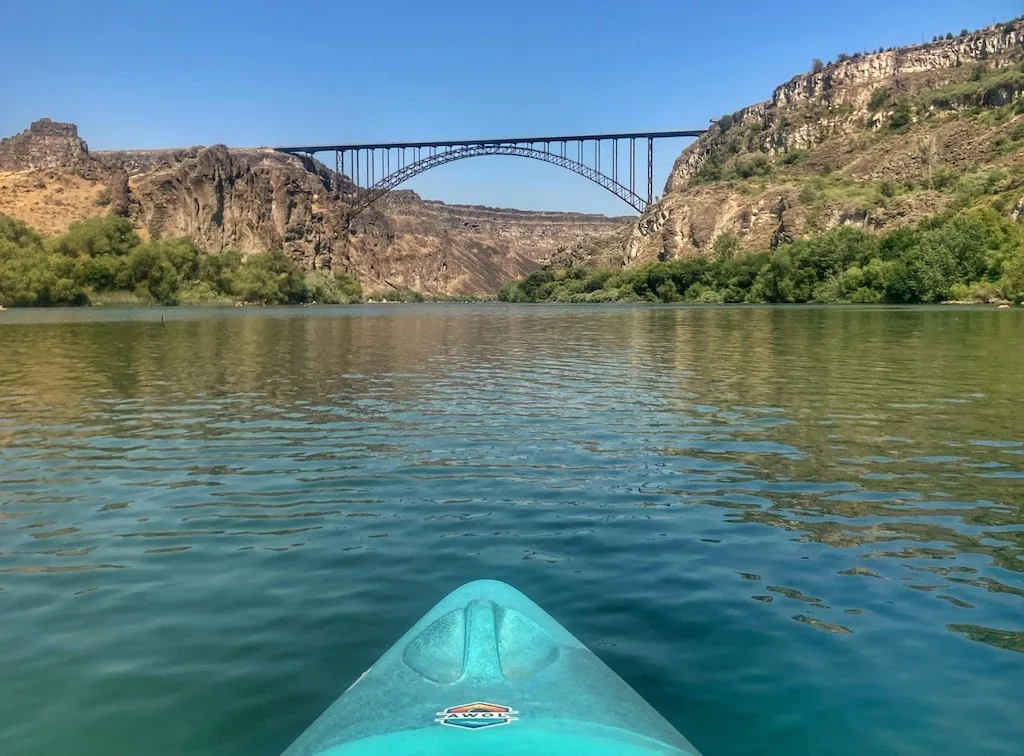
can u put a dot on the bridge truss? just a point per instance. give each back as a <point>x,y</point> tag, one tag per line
<point>611,161</point>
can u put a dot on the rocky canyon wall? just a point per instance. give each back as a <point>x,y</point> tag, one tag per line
<point>817,153</point>
<point>258,199</point>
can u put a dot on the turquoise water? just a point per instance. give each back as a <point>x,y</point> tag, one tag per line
<point>792,530</point>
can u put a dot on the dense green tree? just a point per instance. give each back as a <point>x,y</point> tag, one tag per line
<point>1012,281</point>
<point>150,271</point>
<point>726,246</point>
<point>900,118</point>
<point>183,254</point>
<point>102,273</point>
<point>217,270</point>
<point>269,277</point>
<point>18,233</point>
<point>327,287</point>
<point>93,237</point>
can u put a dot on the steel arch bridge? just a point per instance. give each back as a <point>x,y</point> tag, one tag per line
<point>376,169</point>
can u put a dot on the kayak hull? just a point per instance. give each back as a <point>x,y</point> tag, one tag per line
<point>488,671</point>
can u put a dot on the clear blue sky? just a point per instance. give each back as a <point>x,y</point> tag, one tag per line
<point>152,73</point>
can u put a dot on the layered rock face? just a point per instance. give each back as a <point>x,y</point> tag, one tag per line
<point>258,200</point>
<point>748,175</point>
<point>45,144</point>
<point>244,200</point>
<point>409,243</point>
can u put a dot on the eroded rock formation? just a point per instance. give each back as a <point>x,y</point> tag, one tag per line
<point>806,159</point>
<point>257,200</point>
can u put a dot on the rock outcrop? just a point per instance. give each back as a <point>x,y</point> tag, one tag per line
<point>259,199</point>
<point>409,243</point>
<point>815,155</point>
<point>44,144</point>
<point>842,92</point>
<point>244,200</point>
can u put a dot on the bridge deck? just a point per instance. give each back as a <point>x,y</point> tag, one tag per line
<point>311,149</point>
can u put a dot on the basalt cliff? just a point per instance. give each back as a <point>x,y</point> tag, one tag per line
<point>879,140</point>
<point>254,200</point>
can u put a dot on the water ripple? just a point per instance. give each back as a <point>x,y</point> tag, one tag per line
<point>224,520</point>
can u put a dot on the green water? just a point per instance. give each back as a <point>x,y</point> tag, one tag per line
<point>792,530</point>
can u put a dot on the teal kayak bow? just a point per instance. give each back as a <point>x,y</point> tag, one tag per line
<point>487,671</point>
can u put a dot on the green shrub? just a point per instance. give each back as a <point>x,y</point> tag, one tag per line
<point>817,66</point>
<point>1011,284</point>
<point>944,178</point>
<point>792,157</point>
<point>984,292</point>
<point>878,99</point>
<point>710,170</point>
<point>808,195</point>
<point>971,186</point>
<point>702,294</point>
<point>900,118</point>
<point>757,165</point>
<point>218,269</point>
<point>200,292</point>
<point>326,287</point>
<point>269,278</point>
<point>725,123</point>
<point>97,236</point>
<point>726,246</point>
<point>150,271</point>
<point>18,233</point>
<point>416,297</point>
<point>102,273</point>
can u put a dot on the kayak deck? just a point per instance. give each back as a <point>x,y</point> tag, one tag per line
<point>488,671</point>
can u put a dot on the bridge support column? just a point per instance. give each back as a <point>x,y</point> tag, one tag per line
<point>650,170</point>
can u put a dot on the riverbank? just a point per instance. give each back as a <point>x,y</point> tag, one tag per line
<point>104,262</point>
<point>972,256</point>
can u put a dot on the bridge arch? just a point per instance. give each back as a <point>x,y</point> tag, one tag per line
<point>366,197</point>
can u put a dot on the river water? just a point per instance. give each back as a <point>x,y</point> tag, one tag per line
<point>792,530</point>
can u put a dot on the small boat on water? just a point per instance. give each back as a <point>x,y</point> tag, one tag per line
<point>487,671</point>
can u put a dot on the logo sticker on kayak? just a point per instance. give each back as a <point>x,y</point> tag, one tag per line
<point>477,716</point>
